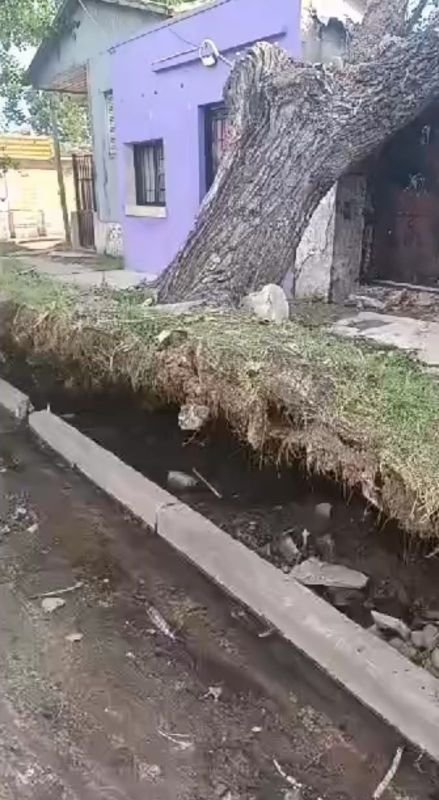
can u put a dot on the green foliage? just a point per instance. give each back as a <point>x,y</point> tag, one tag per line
<point>23,24</point>
<point>357,410</point>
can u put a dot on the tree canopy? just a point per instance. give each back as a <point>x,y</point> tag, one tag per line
<point>23,25</point>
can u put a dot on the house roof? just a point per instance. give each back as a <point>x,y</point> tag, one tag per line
<point>67,7</point>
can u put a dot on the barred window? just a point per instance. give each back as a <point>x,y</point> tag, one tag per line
<point>149,171</point>
<point>215,137</point>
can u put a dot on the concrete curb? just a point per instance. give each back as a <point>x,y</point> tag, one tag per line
<point>14,401</point>
<point>404,695</point>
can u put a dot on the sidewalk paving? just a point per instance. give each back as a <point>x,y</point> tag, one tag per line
<point>80,274</point>
<point>420,337</point>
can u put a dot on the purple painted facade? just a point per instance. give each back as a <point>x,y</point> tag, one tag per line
<point>161,90</point>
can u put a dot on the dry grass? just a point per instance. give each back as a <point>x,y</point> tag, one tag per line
<point>368,417</point>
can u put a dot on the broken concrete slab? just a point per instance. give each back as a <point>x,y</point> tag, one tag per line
<point>270,304</point>
<point>314,572</point>
<point>14,401</point>
<point>79,275</point>
<point>403,694</point>
<point>411,335</point>
<point>400,692</point>
<point>392,624</point>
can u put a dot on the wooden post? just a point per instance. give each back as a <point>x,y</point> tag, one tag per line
<point>59,172</point>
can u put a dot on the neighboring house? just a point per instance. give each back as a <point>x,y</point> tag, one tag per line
<point>170,120</point>
<point>75,58</point>
<point>29,200</point>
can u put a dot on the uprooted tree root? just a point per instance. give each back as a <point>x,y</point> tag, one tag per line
<point>368,418</point>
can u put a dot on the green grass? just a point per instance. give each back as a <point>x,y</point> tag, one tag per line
<point>357,410</point>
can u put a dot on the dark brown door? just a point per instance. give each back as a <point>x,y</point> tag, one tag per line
<point>406,202</point>
<point>83,173</point>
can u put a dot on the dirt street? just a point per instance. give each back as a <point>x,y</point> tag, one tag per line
<point>206,709</point>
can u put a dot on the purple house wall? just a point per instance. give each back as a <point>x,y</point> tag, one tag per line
<point>161,91</point>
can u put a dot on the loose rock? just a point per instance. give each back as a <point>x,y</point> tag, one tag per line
<point>324,510</point>
<point>168,338</point>
<point>74,637</point>
<point>193,417</point>
<point>314,572</point>
<point>364,301</point>
<point>181,481</point>
<point>417,638</point>
<point>269,304</point>
<point>325,547</point>
<point>51,604</point>
<point>288,549</point>
<point>391,624</point>
<point>432,614</point>
<point>431,636</point>
<point>435,659</point>
<point>343,598</point>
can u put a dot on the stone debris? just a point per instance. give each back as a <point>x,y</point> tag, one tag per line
<point>435,659</point>
<point>290,780</point>
<point>375,631</point>
<point>181,481</point>
<point>365,302</point>
<point>430,637</point>
<point>325,547</point>
<point>33,528</point>
<point>270,304</point>
<point>343,598</point>
<point>432,614</point>
<point>149,772</point>
<point>214,692</point>
<point>51,604</point>
<point>314,572</point>
<point>72,638</point>
<point>160,623</point>
<point>392,624</point>
<point>288,549</point>
<point>417,639</point>
<point>389,776</point>
<point>405,648</point>
<point>193,417</point>
<point>180,740</point>
<point>324,510</point>
<point>171,338</point>
<point>305,538</point>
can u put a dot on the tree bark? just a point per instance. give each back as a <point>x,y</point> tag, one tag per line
<point>295,129</point>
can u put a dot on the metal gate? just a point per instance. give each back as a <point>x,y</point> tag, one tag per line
<point>83,174</point>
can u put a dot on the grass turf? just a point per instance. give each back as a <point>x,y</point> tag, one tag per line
<point>367,416</point>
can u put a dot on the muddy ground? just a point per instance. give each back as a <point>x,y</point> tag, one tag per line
<point>258,503</point>
<point>98,718</point>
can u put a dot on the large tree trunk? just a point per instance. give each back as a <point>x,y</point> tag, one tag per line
<point>295,129</point>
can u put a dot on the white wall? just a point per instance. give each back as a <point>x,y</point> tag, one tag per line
<point>342,9</point>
